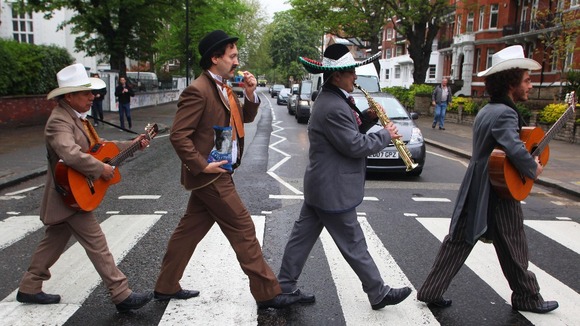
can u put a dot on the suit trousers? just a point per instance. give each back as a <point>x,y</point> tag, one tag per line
<point>512,251</point>
<point>87,231</point>
<point>348,235</point>
<point>218,203</point>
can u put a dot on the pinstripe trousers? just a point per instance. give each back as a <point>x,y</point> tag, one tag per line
<point>512,251</point>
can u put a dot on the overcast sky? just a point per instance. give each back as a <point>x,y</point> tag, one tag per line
<point>272,6</point>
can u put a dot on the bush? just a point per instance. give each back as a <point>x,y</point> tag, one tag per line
<point>524,112</point>
<point>407,95</point>
<point>552,112</point>
<point>469,107</point>
<point>29,69</point>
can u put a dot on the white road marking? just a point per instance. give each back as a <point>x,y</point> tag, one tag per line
<point>563,218</point>
<point>225,297</point>
<point>112,212</point>
<point>483,261</point>
<point>73,276</point>
<point>160,212</point>
<point>15,228</point>
<point>140,197</point>
<point>11,197</point>
<point>410,214</point>
<point>566,233</point>
<point>12,213</point>
<point>301,197</point>
<point>431,199</point>
<point>355,304</point>
<point>23,190</point>
<point>460,161</point>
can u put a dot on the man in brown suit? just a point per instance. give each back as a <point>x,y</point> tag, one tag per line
<point>204,104</point>
<point>69,136</point>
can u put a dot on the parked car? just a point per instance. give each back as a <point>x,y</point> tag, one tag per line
<point>292,99</point>
<point>283,96</point>
<point>275,89</point>
<point>303,101</point>
<point>388,159</point>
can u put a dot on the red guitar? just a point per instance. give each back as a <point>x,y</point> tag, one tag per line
<point>504,177</point>
<point>85,194</point>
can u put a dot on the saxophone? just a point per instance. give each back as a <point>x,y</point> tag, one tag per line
<point>384,119</point>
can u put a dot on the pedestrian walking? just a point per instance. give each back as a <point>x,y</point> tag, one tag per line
<point>441,98</point>
<point>97,107</point>
<point>124,92</point>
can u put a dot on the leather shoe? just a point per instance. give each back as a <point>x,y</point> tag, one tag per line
<point>441,303</point>
<point>280,301</point>
<point>393,297</point>
<point>541,308</point>
<point>433,125</point>
<point>305,297</point>
<point>441,128</point>
<point>181,294</point>
<point>39,298</point>
<point>134,301</point>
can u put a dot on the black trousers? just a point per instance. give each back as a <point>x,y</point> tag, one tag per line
<point>512,251</point>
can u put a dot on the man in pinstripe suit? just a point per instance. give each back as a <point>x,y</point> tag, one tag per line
<point>480,214</point>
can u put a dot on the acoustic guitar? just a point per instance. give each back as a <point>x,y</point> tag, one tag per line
<point>506,180</point>
<point>82,193</point>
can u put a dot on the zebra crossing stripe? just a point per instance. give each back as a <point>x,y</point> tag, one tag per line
<point>73,276</point>
<point>483,261</point>
<point>15,228</point>
<point>225,297</point>
<point>565,233</point>
<point>355,304</point>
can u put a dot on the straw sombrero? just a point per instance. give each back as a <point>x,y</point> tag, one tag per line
<point>337,57</point>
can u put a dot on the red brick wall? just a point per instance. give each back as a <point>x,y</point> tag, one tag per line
<point>24,110</point>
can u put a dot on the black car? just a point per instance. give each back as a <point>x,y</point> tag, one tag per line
<point>283,96</point>
<point>303,101</point>
<point>389,159</point>
<point>275,89</point>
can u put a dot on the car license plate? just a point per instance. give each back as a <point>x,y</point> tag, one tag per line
<point>387,155</point>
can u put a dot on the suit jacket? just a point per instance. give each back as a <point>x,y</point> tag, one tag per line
<point>202,106</point>
<point>124,97</point>
<point>437,95</point>
<point>495,125</point>
<point>335,175</point>
<point>66,139</point>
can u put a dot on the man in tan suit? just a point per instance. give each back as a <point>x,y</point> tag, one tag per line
<point>214,199</point>
<point>69,136</point>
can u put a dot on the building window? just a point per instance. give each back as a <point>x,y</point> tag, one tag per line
<point>432,69</point>
<point>399,50</point>
<point>477,60</point>
<point>490,53</point>
<point>530,50</point>
<point>458,30</point>
<point>470,18</point>
<point>397,72</point>
<point>389,34</point>
<point>534,9</point>
<point>389,53</point>
<point>481,14</point>
<point>569,60</point>
<point>387,74</point>
<point>554,63</point>
<point>22,30</point>
<point>493,13</point>
<point>574,3</point>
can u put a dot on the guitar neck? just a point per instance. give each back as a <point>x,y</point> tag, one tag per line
<point>551,133</point>
<point>122,156</point>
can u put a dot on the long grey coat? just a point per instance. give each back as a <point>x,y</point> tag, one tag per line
<point>335,175</point>
<point>496,124</point>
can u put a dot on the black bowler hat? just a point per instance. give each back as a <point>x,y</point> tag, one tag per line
<point>213,40</point>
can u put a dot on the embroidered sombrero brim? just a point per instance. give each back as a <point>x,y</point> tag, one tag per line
<point>328,65</point>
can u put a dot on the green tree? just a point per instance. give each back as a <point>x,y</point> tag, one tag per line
<point>116,29</point>
<point>292,38</point>
<point>362,21</point>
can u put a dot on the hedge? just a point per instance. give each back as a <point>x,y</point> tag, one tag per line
<point>29,69</point>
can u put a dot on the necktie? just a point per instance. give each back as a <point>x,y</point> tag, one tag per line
<point>358,120</point>
<point>91,132</point>
<point>236,118</point>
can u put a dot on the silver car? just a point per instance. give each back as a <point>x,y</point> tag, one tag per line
<point>388,159</point>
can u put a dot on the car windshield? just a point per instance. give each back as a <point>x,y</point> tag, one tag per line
<point>368,83</point>
<point>393,109</point>
<point>306,88</point>
<point>285,92</point>
<point>277,87</point>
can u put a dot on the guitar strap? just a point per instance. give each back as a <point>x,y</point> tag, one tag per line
<point>52,167</point>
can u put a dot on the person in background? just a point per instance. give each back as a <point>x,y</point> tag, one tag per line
<point>69,136</point>
<point>124,92</point>
<point>334,179</point>
<point>206,103</point>
<point>97,107</point>
<point>480,213</point>
<point>441,98</point>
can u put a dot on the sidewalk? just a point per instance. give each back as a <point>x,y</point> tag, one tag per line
<point>562,171</point>
<point>23,152</point>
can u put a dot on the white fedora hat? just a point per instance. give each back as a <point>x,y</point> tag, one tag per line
<point>508,58</point>
<point>74,78</point>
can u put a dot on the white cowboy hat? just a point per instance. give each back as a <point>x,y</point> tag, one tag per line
<point>508,58</point>
<point>74,78</point>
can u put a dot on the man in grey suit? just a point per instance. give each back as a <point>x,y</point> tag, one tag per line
<point>334,179</point>
<point>69,136</point>
<point>480,214</point>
